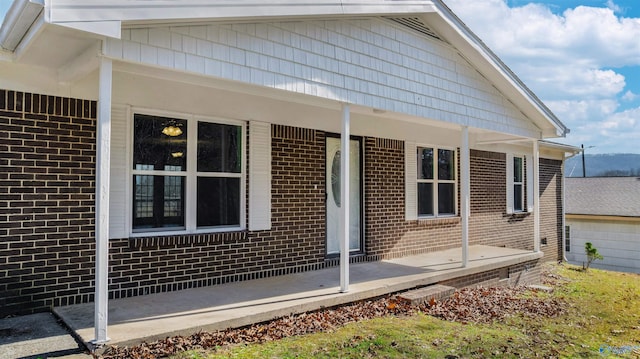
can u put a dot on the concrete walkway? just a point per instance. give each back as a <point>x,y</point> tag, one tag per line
<point>37,336</point>
<point>156,316</point>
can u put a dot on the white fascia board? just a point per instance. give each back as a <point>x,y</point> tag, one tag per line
<point>471,47</point>
<point>73,11</point>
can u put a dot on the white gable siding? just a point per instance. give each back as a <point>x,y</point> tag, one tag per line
<point>369,62</point>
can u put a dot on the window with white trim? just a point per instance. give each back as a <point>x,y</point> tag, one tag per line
<point>187,174</point>
<point>519,181</point>
<point>518,184</point>
<point>567,238</point>
<point>436,181</point>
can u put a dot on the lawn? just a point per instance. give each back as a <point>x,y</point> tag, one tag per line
<point>600,318</point>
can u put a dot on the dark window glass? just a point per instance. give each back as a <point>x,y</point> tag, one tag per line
<point>445,165</point>
<point>425,163</point>
<point>159,143</point>
<point>446,198</point>
<point>218,201</point>
<point>517,169</point>
<point>158,202</point>
<point>219,148</point>
<point>425,199</point>
<point>517,197</point>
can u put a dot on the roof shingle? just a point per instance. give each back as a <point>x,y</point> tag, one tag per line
<point>606,196</point>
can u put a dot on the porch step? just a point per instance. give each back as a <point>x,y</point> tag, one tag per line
<point>426,294</point>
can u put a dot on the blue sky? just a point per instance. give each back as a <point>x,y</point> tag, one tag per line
<point>581,57</point>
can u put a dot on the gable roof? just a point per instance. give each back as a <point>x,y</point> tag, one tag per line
<point>603,196</point>
<point>98,18</point>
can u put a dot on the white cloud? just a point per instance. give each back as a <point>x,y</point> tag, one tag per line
<point>611,5</point>
<point>569,61</point>
<point>630,96</point>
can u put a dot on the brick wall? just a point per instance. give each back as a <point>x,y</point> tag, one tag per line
<point>295,243</point>
<point>389,235</point>
<point>551,208</point>
<point>489,223</point>
<point>520,274</point>
<point>47,156</point>
<point>46,213</point>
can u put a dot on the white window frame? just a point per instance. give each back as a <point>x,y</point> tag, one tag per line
<point>527,183</point>
<point>435,181</point>
<point>567,238</point>
<point>521,183</point>
<point>191,174</point>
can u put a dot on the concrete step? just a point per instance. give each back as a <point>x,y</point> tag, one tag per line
<point>425,295</point>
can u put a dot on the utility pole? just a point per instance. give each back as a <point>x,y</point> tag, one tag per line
<point>584,169</point>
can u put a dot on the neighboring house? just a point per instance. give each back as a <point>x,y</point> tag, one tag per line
<point>606,212</point>
<point>210,134</point>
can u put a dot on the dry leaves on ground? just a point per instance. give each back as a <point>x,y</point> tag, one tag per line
<point>481,305</point>
<point>485,305</point>
<point>320,321</point>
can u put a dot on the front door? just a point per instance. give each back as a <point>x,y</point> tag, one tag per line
<point>333,195</point>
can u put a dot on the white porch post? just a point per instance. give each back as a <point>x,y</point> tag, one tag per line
<point>344,198</point>
<point>103,149</point>
<point>536,197</point>
<point>465,184</point>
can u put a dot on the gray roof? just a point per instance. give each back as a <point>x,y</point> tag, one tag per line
<point>606,196</point>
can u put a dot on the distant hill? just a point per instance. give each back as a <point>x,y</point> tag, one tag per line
<point>604,165</point>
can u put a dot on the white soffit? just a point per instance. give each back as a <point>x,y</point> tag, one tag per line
<point>102,28</point>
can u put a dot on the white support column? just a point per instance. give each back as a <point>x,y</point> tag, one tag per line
<point>103,155</point>
<point>344,198</point>
<point>465,184</point>
<point>536,197</point>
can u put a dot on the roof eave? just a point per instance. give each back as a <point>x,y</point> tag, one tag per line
<point>143,11</point>
<point>17,22</point>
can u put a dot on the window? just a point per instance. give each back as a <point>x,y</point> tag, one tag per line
<point>518,184</point>
<point>567,238</point>
<point>436,182</point>
<point>186,167</point>
<point>519,168</point>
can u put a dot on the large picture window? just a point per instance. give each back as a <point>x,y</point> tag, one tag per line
<point>436,182</point>
<point>187,174</point>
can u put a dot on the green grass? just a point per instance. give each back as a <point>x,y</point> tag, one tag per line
<point>604,312</point>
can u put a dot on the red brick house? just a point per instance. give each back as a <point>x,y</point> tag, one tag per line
<point>149,148</point>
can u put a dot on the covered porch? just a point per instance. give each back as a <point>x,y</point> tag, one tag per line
<point>146,318</point>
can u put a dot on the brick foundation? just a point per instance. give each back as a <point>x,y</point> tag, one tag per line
<point>516,275</point>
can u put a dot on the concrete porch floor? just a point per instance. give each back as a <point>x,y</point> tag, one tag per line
<point>156,316</point>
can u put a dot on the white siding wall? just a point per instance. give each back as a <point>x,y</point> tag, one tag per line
<point>618,242</point>
<point>368,62</point>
